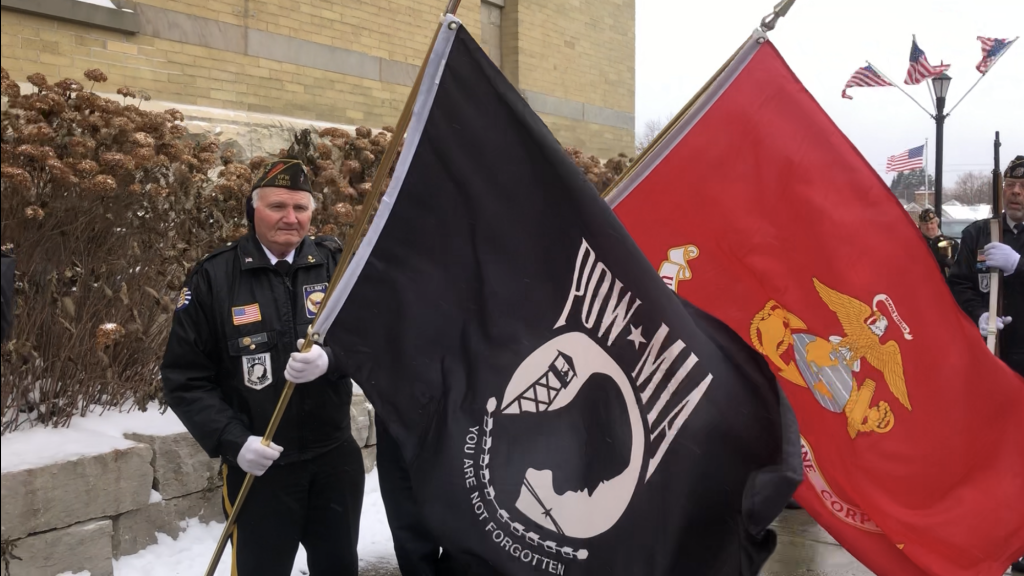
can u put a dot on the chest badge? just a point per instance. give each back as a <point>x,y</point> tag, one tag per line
<point>314,296</point>
<point>246,314</point>
<point>257,371</point>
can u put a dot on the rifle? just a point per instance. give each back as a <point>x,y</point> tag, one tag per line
<point>995,305</point>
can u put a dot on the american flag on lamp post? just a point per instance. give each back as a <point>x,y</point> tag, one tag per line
<point>864,78</point>
<point>920,69</point>
<point>991,50</point>
<point>906,161</point>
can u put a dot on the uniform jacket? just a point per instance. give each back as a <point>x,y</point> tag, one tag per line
<point>971,288</point>
<point>6,295</point>
<point>237,322</point>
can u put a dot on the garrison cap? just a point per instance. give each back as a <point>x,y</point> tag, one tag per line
<point>927,215</point>
<point>1015,171</point>
<point>287,173</point>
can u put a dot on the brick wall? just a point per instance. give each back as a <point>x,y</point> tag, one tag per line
<point>346,61</point>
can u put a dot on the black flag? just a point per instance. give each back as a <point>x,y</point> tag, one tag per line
<point>561,411</point>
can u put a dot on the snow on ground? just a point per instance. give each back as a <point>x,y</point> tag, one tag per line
<point>87,435</point>
<point>191,553</point>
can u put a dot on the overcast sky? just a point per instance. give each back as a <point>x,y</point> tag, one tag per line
<point>681,43</point>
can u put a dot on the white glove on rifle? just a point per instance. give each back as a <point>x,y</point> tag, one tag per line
<point>303,368</point>
<point>255,458</point>
<point>1002,257</point>
<point>1000,324</point>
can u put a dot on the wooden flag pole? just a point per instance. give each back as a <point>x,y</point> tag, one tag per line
<point>767,24</point>
<point>312,337</point>
<point>996,228</point>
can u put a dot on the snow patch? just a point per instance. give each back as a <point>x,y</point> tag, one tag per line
<point>155,497</point>
<point>89,435</point>
<point>40,447</point>
<point>191,552</point>
<point>149,423</point>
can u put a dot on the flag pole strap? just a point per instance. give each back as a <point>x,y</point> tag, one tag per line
<point>767,23</point>
<point>889,80</point>
<point>359,231</point>
<point>982,77</point>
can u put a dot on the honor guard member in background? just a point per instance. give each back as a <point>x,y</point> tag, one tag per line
<point>233,345</point>
<point>6,295</point>
<point>943,247</point>
<point>970,279</point>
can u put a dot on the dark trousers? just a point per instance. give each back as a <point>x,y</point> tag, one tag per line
<point>316,503</point>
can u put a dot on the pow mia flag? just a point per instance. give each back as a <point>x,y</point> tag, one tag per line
<point>562,412</point>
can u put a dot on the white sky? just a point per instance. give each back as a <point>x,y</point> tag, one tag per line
<point>681,43</point>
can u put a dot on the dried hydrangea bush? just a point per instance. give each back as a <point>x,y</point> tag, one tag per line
<point>107,205</point>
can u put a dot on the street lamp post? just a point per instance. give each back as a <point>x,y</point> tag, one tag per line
<point>941,85</point>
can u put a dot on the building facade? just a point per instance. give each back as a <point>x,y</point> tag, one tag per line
<point>333,62</point>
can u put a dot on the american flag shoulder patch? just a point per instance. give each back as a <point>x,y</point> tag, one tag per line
<point>246,314</point>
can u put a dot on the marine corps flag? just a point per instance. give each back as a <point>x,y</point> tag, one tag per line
<point>757,209</point>
<point>560,410</point>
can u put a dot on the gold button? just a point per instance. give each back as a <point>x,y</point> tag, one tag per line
<point>253,347</point>
<point>247,341</point>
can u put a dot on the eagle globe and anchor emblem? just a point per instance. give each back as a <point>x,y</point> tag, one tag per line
<point>549,381</point>
<point>827,366</point>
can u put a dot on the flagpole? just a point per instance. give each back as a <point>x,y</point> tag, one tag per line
<point>767,23</point>
<point>982,77</point>
<point>889,80</point>
<point>359,231</point>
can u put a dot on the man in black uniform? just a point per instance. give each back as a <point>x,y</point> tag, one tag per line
<point>232,347</point>
<point>929,224</point>
<point>6,295</point>
<point>970,284</point>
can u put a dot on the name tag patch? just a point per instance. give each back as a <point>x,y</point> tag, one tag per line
<point>314,296</point>
<point>257,371</point>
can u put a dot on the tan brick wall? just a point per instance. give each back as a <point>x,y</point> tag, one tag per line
<point>581,50</point>
<point>578,50</point>
<point>194,75</point>
<point>601,141</point>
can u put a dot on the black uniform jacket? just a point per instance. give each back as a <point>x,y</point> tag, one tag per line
<point>971,288</point>
<point>237,322</point>
<point>6,295</point>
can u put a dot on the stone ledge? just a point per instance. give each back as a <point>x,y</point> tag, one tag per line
<point>137,530</point>
<point>79,12</point>
<point>81,548</point>
<point>60,495</point>
<point>180,467</point>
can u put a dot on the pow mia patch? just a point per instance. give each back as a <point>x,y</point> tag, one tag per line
<point>257,371</point>
<point>314,296</point>
<point>985,282</point>
<point>184,299</point>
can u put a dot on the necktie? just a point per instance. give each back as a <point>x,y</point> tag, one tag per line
<point>1018,228</point>
<point>284,267</point>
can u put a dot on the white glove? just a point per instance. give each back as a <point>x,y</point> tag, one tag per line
<point>1000,323</point>
<point>1002,257</point>
<point>303,368</point>
<point>255,458</point>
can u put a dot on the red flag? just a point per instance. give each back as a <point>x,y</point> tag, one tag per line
<point>758,209</point>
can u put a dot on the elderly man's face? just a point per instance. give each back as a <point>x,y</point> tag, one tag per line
<point>1013,199</point>
<point>282,219</point>
<point>930,228</point>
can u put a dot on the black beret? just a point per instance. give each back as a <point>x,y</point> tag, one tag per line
<point>286,173</point>
<point>1015,170</point>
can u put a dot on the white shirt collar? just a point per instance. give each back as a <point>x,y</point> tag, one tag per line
<point>274,259</point>
<point>1011,224</point>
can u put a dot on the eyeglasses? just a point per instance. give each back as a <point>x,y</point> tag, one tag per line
<point>1014,185</point>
